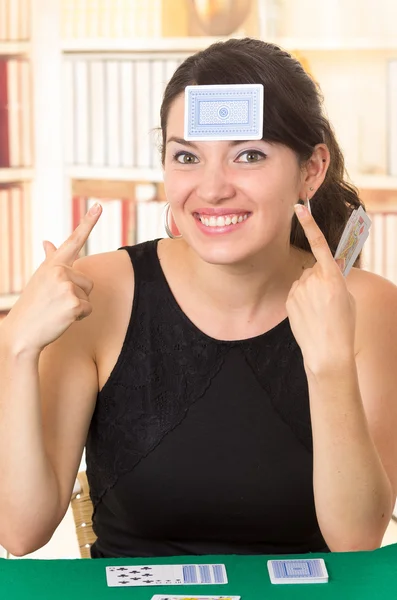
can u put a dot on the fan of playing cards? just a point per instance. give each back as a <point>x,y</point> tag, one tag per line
<point>353,238</point>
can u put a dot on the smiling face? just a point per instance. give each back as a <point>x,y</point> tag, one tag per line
<point>231,201</point>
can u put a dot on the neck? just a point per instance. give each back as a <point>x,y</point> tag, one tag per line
<point>262,282</point>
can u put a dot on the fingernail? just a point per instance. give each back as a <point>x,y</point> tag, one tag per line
<point>94,210</point>
<point>300,210</point>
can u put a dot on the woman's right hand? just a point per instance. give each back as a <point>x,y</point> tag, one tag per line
<point>56,296</point>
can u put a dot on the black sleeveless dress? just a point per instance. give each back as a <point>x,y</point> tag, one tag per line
<point>200,446</point>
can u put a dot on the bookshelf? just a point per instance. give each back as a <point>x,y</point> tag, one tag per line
<point>11,175</point>
<point>350,68</point>
<point>79,172</point>
<point>16,149</point>
<point>194,44</point>
<point>12,48</point>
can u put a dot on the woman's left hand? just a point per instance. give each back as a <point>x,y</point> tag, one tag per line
<point>320,308</point>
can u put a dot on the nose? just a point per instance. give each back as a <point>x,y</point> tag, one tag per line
<point>215,184</point>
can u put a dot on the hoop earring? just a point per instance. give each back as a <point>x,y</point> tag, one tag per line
<point>307,204</point>
<point>165,221</point>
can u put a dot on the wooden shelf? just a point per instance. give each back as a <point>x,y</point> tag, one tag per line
<point>14,48</point>
<point>12,175</point>
<point>115,173</point>
<point>7,301</point>
<point>193,44</point>
<point>374,182</point>
<point>337,44</point>
<point>184,44</point>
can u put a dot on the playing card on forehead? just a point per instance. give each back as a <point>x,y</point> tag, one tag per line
<point>224,112</point>
<point>308,570</point>
<point>145,575</point>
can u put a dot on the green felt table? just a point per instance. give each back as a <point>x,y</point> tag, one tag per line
<point>352,575</point>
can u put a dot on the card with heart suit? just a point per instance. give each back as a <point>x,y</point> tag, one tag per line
<point>353,238</point>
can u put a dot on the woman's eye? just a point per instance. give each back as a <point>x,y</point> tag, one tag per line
<point>250,156</point>
<point>185,158</point>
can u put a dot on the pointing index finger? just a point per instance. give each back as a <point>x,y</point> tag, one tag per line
<point>315,237</point>
<point>69,251</point>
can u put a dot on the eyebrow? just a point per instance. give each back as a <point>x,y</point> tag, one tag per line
<point>192,145</point>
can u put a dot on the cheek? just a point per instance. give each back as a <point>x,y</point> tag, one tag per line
<point>177,189</point>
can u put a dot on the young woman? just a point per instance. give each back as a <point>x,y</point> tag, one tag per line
<point>235,392</point>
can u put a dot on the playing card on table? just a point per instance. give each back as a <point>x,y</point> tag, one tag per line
<point>224,112</point>
<point>165,575</point>
<point>307,570</point>
<point>353,238</point>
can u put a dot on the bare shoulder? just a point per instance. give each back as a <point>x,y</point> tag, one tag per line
<point>376,305</point>
<point>370,288</point>
<point>108,271</point>
<point>112,276</point>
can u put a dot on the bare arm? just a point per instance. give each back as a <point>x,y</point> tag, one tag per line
<point>356,471</point>
<point>347,331</point>
<point>46,362</point>
<point>352,488</point>
<point>39,456</point>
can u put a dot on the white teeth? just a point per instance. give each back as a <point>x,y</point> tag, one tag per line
<point>222,221</point>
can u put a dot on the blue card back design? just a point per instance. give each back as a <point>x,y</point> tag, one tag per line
<point>224,112</point>
<point>285,569</point>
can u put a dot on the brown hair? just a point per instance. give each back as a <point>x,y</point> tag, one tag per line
<point>292,116</point>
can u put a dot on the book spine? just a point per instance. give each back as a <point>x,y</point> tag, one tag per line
<point>13,20</point>
<point>128,140</point>
<point>158,84</point>
<point>3,21</point>
<point>4,119</point>
<point>5,235</point>
<point>27,248</point>
<point>24,20</point>
<point>392,117</point>
<point>69,102</point>
<point>16,212</point>
<point>97,105</point>
<point>128,222</point>
<point>143,98</point>
<point>14,110</point>
<point>113,124</point>
<point>81,112</point>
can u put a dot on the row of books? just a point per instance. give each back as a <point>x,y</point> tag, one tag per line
<point>15,238</point>
<point>111,18</point>
<point>14,20</point>
<point>15,113</point>
<point>124,222</point>
<point>112,110</point>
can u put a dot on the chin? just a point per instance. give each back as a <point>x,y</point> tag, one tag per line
<point>225,254</point>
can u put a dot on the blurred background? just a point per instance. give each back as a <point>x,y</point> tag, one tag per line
<point>81,83</point>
